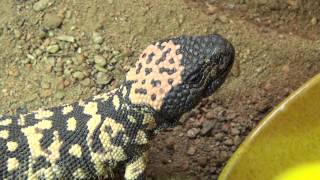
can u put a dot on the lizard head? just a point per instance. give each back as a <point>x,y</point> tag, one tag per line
<point>174,74</point>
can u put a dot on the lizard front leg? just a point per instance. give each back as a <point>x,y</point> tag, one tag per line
<point>135,169</point>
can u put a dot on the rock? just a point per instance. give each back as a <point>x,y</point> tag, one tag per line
<point>236,140</point>
<point>293,4</point>
<point>230,115</point>
<point>314,21</point>
<point>86,82</point>
<point>192,133</point>
<point>53,48</point>
<point>228,142</point>
<point>235,131</point>
<point>191,150</point>
<point>286,69</point>
<point>78,75</point>
<point>207,126</point>
<point>17,34</point>
<point>38,52</point>
<point>66,83</point>
<point>219,136</point>
<point>97,38</point>
<point>100,60</point>
<point>102,78</point>
<point>42,34</point>
<point>66,38</point>
<point>42,4</point>
<point>210,115</point>
<point>52,21</point>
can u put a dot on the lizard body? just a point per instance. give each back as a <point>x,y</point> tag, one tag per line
<point>89,138</point>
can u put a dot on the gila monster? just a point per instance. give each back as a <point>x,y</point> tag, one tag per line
<point>90,138</point>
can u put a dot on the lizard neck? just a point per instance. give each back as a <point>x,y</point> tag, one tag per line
<point>139,105</point>
<point>137,115</point>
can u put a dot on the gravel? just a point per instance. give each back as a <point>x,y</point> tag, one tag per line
<point>66,38</point>
<point>53,48</point>
<point>78,75</point>
<point>52,21</point>
<point>97,38</point>
<point>192,133</point>
<point>100,60</point>
<point>102,78</point>
<point>42,4</point>
<point>207,126</point>
<point>191,151</point>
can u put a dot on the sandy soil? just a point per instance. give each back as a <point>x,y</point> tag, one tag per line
<point>277,50</point>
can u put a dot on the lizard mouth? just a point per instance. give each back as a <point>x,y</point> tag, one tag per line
<point>216,82</point>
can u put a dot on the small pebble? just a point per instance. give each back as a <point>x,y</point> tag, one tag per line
<point>314,21</point>
<point>17,33</point>
<point>191,151</point>
<point>207,126</point>
<point>66,38</point>
<point>286,69</point>
<point>210,115</point>
<point>228,142</point>
<point>212,10</point>
<point>219,136</point>
<point>86,82</point>
<point>66,83</point>
<point>53,48</point>
<point>97,38</point>
<point>192,133</point>
<point>52,21</point>
<point>78,75</point>
<point>235,131</point>
<point>102,78</point>
<point>42,34</point>
<point>41,5</point>
<point>100,60</point>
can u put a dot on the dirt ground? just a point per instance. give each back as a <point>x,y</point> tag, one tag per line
<point>55,52</point>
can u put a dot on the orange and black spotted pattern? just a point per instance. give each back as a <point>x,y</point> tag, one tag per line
<point>91,138</point>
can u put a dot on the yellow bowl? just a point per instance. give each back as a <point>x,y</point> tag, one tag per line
<point>287,137</point>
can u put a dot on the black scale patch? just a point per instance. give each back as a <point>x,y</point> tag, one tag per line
<point>141,91</point>
<point>170,71</point>
<point>155,83</point>
<point>163,57</point>
<point>149,59</point>
<point>138,68</point>
<point>147,71</point>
